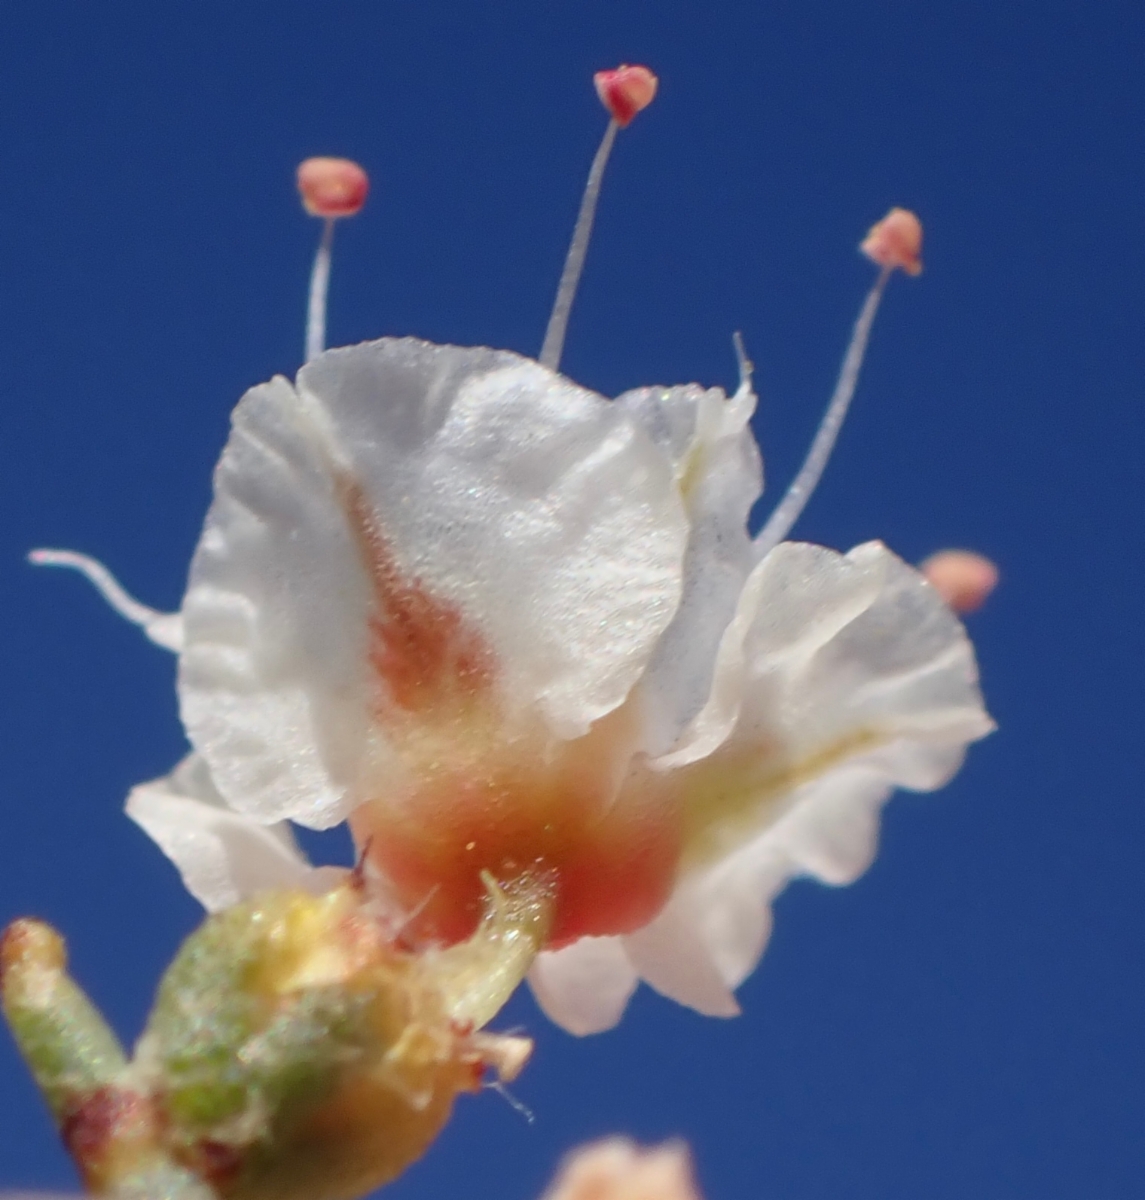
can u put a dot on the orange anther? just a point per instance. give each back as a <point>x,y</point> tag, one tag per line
<point>962,578</point>
<point>625,91</point>
<point>332,187</point>
<point>896,241</point>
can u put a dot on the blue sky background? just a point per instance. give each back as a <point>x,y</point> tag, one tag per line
<point>966,1021</point>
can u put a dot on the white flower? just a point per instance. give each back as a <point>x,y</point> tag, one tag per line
<point>505,626</point>
<point>501,623</point>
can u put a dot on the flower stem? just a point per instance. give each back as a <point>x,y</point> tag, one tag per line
<point>296,1051</point>
<point>106,1122</point>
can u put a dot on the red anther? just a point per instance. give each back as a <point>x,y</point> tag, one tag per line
<point>896,241</point>
<point>625,91</point>
<point>963,579</point>
<point>332,187</point>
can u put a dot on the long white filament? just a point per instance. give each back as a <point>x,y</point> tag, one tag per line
<point>164,629</point>
<point>574,263</point>
<point>319,286</point>
<point>795,501</point>
<point>746,366</point>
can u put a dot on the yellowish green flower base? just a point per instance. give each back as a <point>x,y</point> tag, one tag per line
<point>295,1051</point>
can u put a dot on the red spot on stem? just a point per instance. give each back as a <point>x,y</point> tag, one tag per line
<point>103,1125</point>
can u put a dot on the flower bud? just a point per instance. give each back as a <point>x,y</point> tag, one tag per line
<point>300,1055</point>
<point>295,1051</point>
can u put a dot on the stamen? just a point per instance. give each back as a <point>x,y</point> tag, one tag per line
<point>330,188</point>
<point>319,287</point>
<point>164,629</point>
<point>624,92</point>
<point>518,1106</point>
<point>962,578</point>
<point>895,241</point>
<point>899,249</point>
<point>745,365</point>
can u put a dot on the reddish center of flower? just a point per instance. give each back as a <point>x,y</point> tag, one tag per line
<point>612,862</point>
<point>466,791</point>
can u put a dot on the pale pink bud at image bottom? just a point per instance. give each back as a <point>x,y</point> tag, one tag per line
<point>625,91</point>
<point>962,578</point>
<point>895,241</point>
<point>618,1169</point>
<point>332,187</point>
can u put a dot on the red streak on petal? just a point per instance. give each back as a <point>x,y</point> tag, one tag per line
<point>420,647</point>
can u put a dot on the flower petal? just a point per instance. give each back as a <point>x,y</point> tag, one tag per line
<point>839,679</point>
<point>222,857</point>
<point>831,827</point>
<point>841,656</point>
<point>730,906</point>
<point>830,831</point>
<point>671,956</point>
<point>714,930</point>
<point>422,521</point>
<point>718,470</point>
<point>585,987</point>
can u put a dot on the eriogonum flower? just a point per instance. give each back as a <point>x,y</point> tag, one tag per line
<point>505,626</point>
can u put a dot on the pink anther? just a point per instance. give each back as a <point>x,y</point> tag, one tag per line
<point>896,241</point>
<point>625,91</point>
<point>962,578</point>
<point>332,187</point>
